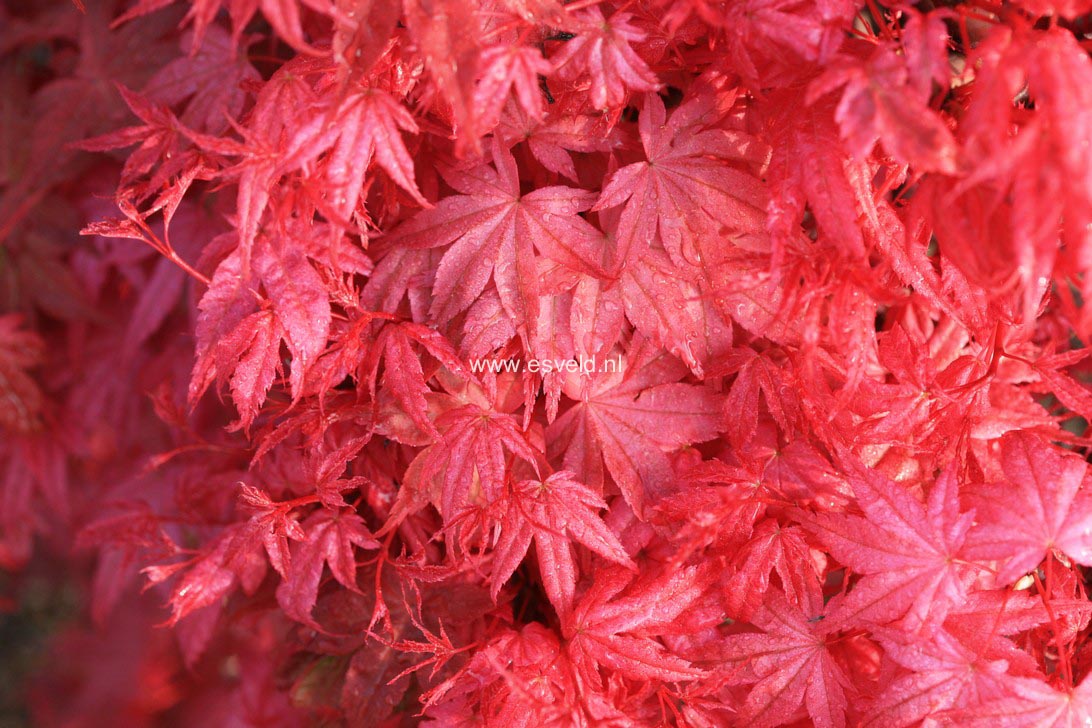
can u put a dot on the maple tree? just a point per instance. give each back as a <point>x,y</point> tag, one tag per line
<point>296,303</point>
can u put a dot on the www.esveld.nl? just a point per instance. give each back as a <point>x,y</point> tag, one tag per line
<point>575,365</point>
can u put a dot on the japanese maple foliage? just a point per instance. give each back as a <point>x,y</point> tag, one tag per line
<point>532,362</point>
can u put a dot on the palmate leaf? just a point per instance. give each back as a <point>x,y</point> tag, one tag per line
<point>556,513</point>
<point>494,231</point>
<point>609,626</point>
<point>467,468</point>
<point>628,421</point>
<point>692,191</point>
<point>909,552</point>
<point>1026,702</point>
<point>789,665</point>
<point>509,70</point>
<point>672,311</point>
<point>239,333</point>
<point>209,82</point>
<point>403,376</point>
<point>331,538</point>
<point>602,50</point>
<point>1044,504</point>
<point>942,673</point>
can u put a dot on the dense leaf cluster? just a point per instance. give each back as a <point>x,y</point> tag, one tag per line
<point>828,261</point>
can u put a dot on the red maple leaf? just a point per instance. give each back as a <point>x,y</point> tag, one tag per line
<point>693,189</point>
<point>789,664</point>
<point>239,334</point>
<point>495,230</point>
<point>942,673</point>
<point>1042,506</point>
<point>555,513</point>
<point>911,554</point>
<point>602,52</point>
<point>610,624</point>
<point>629,420</point>
<point>330,539</point>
